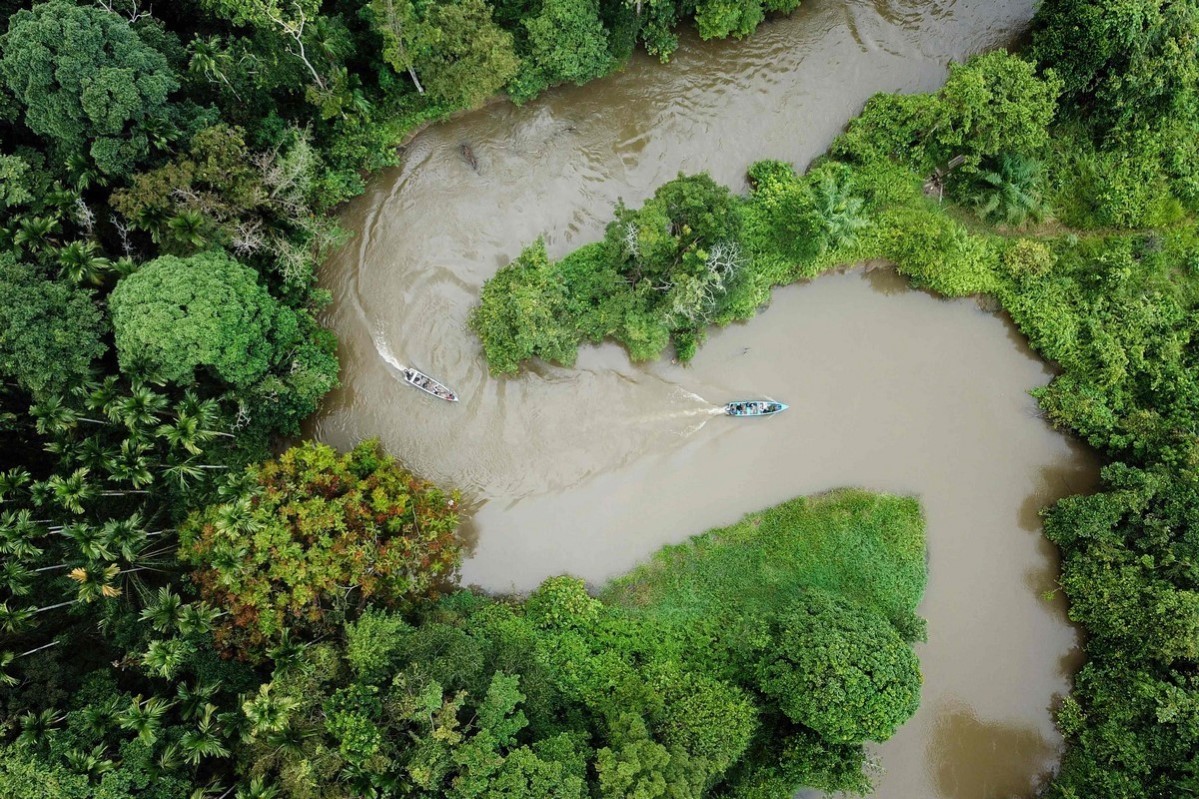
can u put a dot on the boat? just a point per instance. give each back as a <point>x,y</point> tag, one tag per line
<point>427,384</point>
<point>755,408</point>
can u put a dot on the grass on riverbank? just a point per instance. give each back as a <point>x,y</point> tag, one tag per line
<point>867,547</point>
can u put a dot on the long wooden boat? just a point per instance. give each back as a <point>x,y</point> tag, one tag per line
<point>427,384</point>
<point>755,408</point>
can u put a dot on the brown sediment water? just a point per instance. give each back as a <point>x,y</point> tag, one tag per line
<point>588,470</point>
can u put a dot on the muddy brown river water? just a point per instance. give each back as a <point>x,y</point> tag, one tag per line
<point>588,470</point>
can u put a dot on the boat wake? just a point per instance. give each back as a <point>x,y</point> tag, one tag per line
<point>386,354</point>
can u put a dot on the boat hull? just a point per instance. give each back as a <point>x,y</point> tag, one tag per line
<point>748,408</point>
<point>418,379</point>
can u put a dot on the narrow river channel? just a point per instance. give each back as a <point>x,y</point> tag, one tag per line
<point>588,470</point>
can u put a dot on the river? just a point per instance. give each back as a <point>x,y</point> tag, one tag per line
<point>588,470</point>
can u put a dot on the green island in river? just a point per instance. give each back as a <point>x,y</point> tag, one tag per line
<point>195,603</point>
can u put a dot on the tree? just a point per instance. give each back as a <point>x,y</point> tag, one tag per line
<point>1006,190</point>
<point>993,104</point>
<point>1122,62</point>
<point>522,314</point>
<point>567,41</point>
<point>289,19</point>
<point>315,532</point>
<point>840,215</point>
<point>472,58</point>
<point>405,35</point>
<point>86,81</point>
<point>717,19</point>
<point>840,669</point>
<point>675,229</point>
<point>50,333</point>
<point>177,314</point>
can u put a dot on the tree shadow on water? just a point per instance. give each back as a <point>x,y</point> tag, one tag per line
<point>976,759</point>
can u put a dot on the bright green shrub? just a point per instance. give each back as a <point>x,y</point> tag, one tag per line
<point>1027,258</point>
<point>561,603</point>
<point>938,253</point>
<point>711,719</point>
<point>374,642</point>
<point>567,41</point>
<point>995,104</point>
<point>718,19</point>
<point>894,127</point>
<point>1122,187</point>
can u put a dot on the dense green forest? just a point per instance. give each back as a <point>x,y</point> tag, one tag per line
<point>183,615</point>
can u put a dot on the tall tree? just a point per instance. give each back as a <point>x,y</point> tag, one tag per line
<point>86,82</point>
<point>841,669</point>
<point>568,42</point>
<point>1125,62</point>
<point>405,35</point>
<point>175,315</point>
<point>473,57</point>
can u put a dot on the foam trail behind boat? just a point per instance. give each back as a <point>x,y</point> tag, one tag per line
<point>386,354</point>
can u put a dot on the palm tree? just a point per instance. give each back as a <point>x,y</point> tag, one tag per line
<point>187,228</point>
<point>1007,190</point>
<point>164,657</point>
<point>92,543</point>
<point>198,618</point>
<point>52,417</point>
<point>19,534</point>
<point>164,611</point>
<point>131,464</point>
<point>82,264</point>
<point>266,712</point>
<point>14,620</point>
<point>95,582</point>
<point>12,481</point>
<point>842,215</point>
<point>16,578</point>
<point>85,174</point>
<point>141,407</point>
<point>35,726</point>
<point>101,717</point>
<point>257,789</point>
<point>70,493</point>
<point>183,432</point>
<point>127,536</point>
<point>97,396</point>
<point>183,472</point>
<point>194,699</point>
<point>144,717</point>
<point>94,763</point>
<point>94,452</point>
<point>168,759</point>
<point>212,61</point>
<point>203,741</point>
<point>34,232</point>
